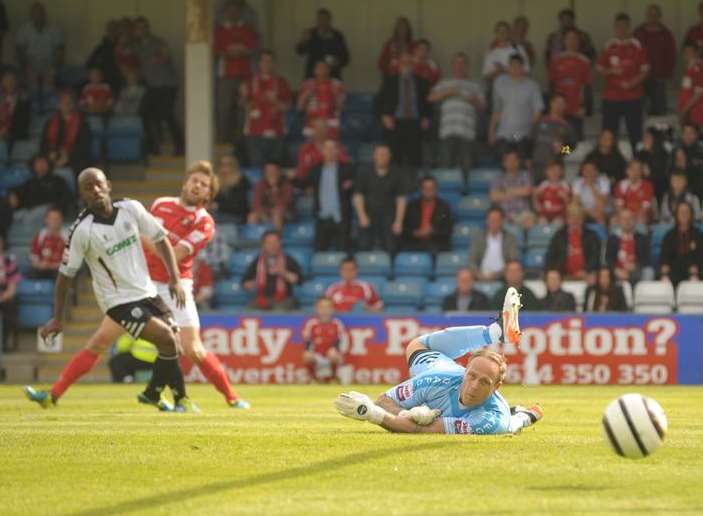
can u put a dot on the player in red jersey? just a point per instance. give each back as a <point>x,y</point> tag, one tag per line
<point>189,228</point>
<point>690,104</point>
<point>322,336</point>
<point>347,293</point>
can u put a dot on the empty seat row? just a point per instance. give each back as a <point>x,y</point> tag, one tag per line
<point>660,297</point>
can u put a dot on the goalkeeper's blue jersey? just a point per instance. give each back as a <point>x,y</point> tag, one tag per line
<point>436,381</point>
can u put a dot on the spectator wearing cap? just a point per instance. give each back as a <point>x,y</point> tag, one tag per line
<point>626,250</point>
<point>273,198</point>
<point>428,220</point>
<point>324,43</point>
<point>491,251</point>
<point>48,247</point>
<point>556,298</point>
<point>574,249</point>
<point>465,297</point>
<point>401,42</point>
<point>350,292</point>
<point>323,97</point>
<point>66,136</point>
<point>690,104</point>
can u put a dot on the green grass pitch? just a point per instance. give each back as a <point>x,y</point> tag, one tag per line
<point>99,453</point>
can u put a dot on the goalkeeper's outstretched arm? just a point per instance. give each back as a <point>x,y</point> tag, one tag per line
<point>405,425</point>
<point>388,404</point>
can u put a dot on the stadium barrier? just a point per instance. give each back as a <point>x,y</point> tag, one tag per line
<point>630,349</point>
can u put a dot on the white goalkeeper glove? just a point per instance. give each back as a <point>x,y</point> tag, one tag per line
<point>422,415</point>
<point>359,406</point>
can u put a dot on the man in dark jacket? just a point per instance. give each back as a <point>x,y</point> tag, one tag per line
<point>43,189</point>
<point>627,251</point>
<point>574,249</point>
<point>66,137</point>
<point>324,43</point>
<point>428,220</point>
<point>514,277</point>
<point>465,298</point>
<point>405,112</point>
<point>332,184</point>
<point>557,300</point>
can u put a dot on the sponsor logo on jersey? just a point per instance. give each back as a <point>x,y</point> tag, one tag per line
<point>119,246</point>
<point>404,391</point>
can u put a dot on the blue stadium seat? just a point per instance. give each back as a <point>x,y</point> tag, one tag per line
<point>436,291</point>
<point>359,102</point>
<point>254,175</point>
<point>452,199</point>
<point>489,288</point>
<point>462,233</point>
<point>374,262</point>
<point>534,259</point>
<point>21,254</point>
<point>97,132</point>
<point>36,125</point>
<point>473,207</point>
<point>294,123</point>
<point>517,232</point>
<point>356,125</point>
<point>23,150</point>
<point>480,179</point>
<point>125,135</point>
<point>450,262</point>
<point>305,206</point>
<point>540,235</point>
<point>404,292</point>
<point>365,154</point>
<point>69,176</point>
<point>659,231</point>
<point>400,310</point>
<point>326,263</point>
<point>449,179</point>
<point>34,315</point>
<point>14,176</point>
<point>35,291</point>
<point>312,290</point>
<point>230,292</point>
<point>229,232</point>
<point>412,264</point>
<point>240,260</point>
<point>599,230</point>
<point>250,234</point>
<point>299,234</point>
<point>302,255</point>
<point>378,282</point>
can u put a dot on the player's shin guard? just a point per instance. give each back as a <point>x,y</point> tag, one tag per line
<point>81,363</point>
<point>460,340</point>
<point>212,369</point>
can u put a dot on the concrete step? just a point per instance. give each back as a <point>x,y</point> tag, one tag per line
<point>45,368</point>
<point>161,186</point>
<point>85,313</point>
<point>166,161</point>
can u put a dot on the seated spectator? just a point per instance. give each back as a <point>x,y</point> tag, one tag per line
<point>66,136</point>
<point>550,135</point>
<point>592,191</point>
<point>400,42</point>
<point>627,251</point>
<point>682,249</point>
<point>514,277</point>
<point>690,104</point>
<point>605,295</point>
<point>48,246</point>
<point>636,193</point>
<point>461,101</point>
<point>271,276</point>
<point>518,33</point>
<point>324,43</point>
<point>465,298</point>
<point>14,110</point>
<point>574,249</point>
<point>350,292</point>
<point>678,192</point>
<point>428,220</point>
<point>43,188</point>
<point>512,190</point>
<point>379,201</point>
<point>129,100</point>
<point>517,105</point>
<point>232,199</point>
<point>103,56</point>
<point>96,96</point>
<point>655,154</point>
<point>688,156</point>
<point>497,59</point>
<point>322,97</point>
<point>323,335</point>
<point>310,152</point>
<point>203,284</point>
<point>273,198</point>
<point>552,195</point>
<point>490,252</point>
<point>424,66</point>
<point>607,157</point>
<point>9,278</point>
<point>556,299</point>
<point>332,184</point>
<point>266,97</point>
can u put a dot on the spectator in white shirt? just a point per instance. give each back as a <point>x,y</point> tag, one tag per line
<point>592,191</point>
<point>492,250</point>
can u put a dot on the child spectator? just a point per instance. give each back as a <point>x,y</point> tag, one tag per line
<point>678,193</point>
<point>350,292</point>
<point>322,97</point>
<point>96,96</point>
<point>323,335</point>
<point>48,246</point>
<point>552,195</point>
<point>273,198</point>
<point>129,101</point>
<point>635,193</point>
<point>628,251</point>
<point>592,191</point>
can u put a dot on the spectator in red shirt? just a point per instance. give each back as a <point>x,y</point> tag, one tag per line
<point>48,246</point>
<point>9,278</point>
<point>695,32</point>
<point>96,96</point>
<point>428,220</point>
<point>624,64</point>
<point>322,97</point>
<point>552,195</point>
<point>323,335</point>
<point>659,43</point>
<point>66,137</point>
<point>266,97</point>
<point>520,28</point>
<point>399,43</point>
<point>570,75</point>
<point>574,249</point>
<point>424,65</point>
<point>273,198</point>
<point>635,193</point>
<point>235,43</point>
<point>351,292</point>
<point>14,110</point>
<point>310,152</point>
<point>690,105</point>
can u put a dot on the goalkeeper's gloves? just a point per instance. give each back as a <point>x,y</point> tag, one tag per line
<point>359,406</point>
<point>422,415</point>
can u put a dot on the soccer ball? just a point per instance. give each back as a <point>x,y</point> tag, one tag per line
<point>634,425</point>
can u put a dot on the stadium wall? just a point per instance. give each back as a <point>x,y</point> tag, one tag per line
<point>561,349</point>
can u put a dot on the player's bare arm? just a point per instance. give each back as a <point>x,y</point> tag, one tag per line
<point>55,325</point>
<point>388,404</point>
<point>165,251</point>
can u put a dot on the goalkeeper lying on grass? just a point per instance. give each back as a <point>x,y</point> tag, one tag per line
<point>443,397</point>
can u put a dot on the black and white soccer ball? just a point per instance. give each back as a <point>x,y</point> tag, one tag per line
<point>634,426</point>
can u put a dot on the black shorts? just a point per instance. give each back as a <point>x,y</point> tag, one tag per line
<point>133,317</point>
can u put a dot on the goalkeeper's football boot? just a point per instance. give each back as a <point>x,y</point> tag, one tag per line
<point>510,316</point>
<point>240,404</point>
<point>162,403</point>
<point>186,405</point>
<point>42,398</point>
<point>535,412</point>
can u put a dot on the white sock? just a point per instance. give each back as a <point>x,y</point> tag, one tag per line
<point>496,332</point>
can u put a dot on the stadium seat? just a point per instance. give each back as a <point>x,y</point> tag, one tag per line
<point>34,315</point>
<point>533,260</point>
<point>240,260</point>
<point>254,175</point>
<point>689,297</point>
<point>36,125</point>
<point>412,264</point>
<point>302,255</point>
<point>124,135</point>
<point>357,125</point>
<point>374,262</point>
<point>250,234</point>
<point>14,176</point>
<point>451,198</point>
<point>35,291</point>
<point>489,288</point>
<point>473,207</point>
<point>449,179</point>
<point>326,263</point>
<point>480,179</point>
<point>628,293</point>
<point>578,290</point>
<point>436,291</point>
<point>230,292</point>
<point>23,150</point>
<point>404,292</point>
<point>312,290</point>
<point>68,176</point>
<point>21,254</point>
<point>540,235</point>
<point>378,282</point>
<point>655,297</point>
<point>305,206</point>
<point>462,233</point>
<point>229,233</point>
<point>360,102</point>
<point>517,232</point>
<point>658,232</point>
<point>294,123</point>
<point>600,230</point>
<point>96,125</point>
<point>450,262</point>
<point>298,234</point>
<point>537,287</point>
<point>365,153</point>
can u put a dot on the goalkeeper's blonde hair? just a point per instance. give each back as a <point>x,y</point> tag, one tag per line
<point>493,356</point>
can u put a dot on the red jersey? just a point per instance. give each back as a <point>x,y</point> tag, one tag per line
<point>188,226</point>
<point>48,247</point>
<point>428,70</point>
<point>569,73</point>
<point>631,58</point>
<point>320,337</point>
<point>324,98</point>
<point>263,116</point>
<point>575,259</point>
<point>626,253</point>
<point>552,199</point>
<point>310,156</point>
<point>227,35</point>
<point>345,295</point>
<point>691,83</point>
<point>695,34</point>
<point>636,198</point>
<point>95,95</point>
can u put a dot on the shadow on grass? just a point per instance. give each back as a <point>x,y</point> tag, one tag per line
<point>256,480</point>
